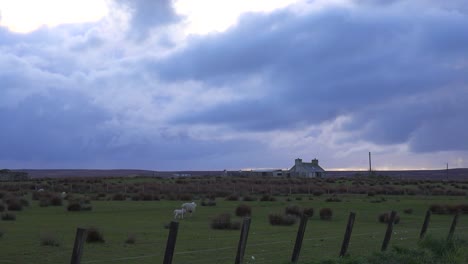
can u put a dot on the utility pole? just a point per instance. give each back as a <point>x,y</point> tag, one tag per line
<point>370,164</point>
<point>447,171</point>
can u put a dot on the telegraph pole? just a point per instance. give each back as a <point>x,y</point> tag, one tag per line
<point>370,164</point>
<point>447,172</point>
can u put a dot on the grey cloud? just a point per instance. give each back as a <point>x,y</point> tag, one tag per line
<point>320,66</point>
<point>148,14</point>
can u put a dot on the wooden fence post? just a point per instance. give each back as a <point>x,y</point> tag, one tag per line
<point>299,238</point>
<point>388,234</point>
<point>243,240</point>
<point>425,225</point>
<point>78,247</point>
<point>347,236</point>
<point>452,227</point>
<point>171,241</point>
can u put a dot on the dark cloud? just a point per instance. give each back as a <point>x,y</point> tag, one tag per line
<point>339,62</point>
<point>149,14</point>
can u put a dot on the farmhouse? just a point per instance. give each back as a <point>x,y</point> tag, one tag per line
<point>306,169</point>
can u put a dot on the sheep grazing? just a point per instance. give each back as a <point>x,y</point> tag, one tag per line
<point>63,195</point>
<point>180,213</point>
<point>189,207</point>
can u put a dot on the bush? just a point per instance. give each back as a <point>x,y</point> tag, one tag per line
<point>326,214</point>
<point>223,221</point>
<point>333,199</point>
<point>243,210</point>
<point>293,210</point>
<point>94,236</point>
<point>317,193</point>
<point>186,197</point>
<point>56,200</point>
<point>408,211</point>
<point>210,202</point>
<point>24,202</point>
<point>437,209</point>
<point>308,211</point>
<point>2,207</point>
<point>48,239</point>
<point>249,198</point>
<point>131,239</point>
<point>385,218</point>
<point>267,198</point>
<point>232,197</point>
<point>8,216</point>
<point>14,205</point>
<point>282,219</point>
<point>119,197</point>
<point>299,198</point>
<point>74,206</point>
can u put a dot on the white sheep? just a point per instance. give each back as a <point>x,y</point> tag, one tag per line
<point>189,207</point>
<point>179,212</point>
<point>63,195</point>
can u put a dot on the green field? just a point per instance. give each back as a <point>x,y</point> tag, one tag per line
<point>198,243</point>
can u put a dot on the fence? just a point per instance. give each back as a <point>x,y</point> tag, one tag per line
<point>244,233</point>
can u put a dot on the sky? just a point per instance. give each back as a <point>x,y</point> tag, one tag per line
<point>233,84</point>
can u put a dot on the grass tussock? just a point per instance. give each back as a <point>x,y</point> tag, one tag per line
<point>243,210</point>
<point>94,235</point>
<point>282,219</point>
<point>8,216</point>
<point>223,221</point>
<point>49,239</point>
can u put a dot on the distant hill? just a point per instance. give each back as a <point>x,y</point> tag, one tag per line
<point>453,174</point>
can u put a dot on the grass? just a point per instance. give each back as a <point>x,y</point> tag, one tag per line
<point>198,243</point>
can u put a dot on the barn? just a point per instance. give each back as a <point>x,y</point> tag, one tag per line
<point>307,169</point>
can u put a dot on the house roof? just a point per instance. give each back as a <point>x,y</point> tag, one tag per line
<point>308,166</point>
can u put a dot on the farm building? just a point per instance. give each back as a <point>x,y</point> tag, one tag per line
<point>263,173</point>
<point>306,169</point>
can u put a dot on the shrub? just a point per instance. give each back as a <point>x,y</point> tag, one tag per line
<point>232,197</point>
<point>333,199</point>
<point>293,210</point>
<point>210,202</point>
<point>267,198</point>
<point>326,214</point>
<point>317,193</point>
<point>56,200</point>
<point>1,233</point>
<point>2,207</point>
<point>309,211</point>
<point>48,239</point>
<point>408,211</point>
<point>463,208</point>
<point>437,209</point>
<point>299,198</point>
<point>119,197</point>
<point>8,216</point>
<point>94,236</point>
<point>74,206</point>
<point>243,210</point>
<point>385,218</point>
<point>249,198</point>
<point>131,239</point>
<point>223,221</point>
<point>186,197</point>
<point>24,202</point>
<point>282,219</point>
<point>15,205</point>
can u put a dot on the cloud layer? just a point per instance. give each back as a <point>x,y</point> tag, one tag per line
<point>131,91</point>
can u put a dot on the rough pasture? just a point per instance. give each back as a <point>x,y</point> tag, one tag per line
<point>197,241</point>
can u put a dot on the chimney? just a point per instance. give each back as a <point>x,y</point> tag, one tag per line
<point>297,162</point>
<point>315,162</point>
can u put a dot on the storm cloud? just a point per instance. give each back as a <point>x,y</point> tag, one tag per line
<point>388,77</point>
